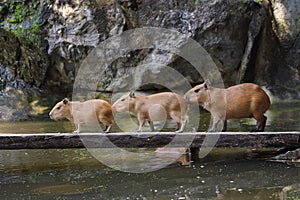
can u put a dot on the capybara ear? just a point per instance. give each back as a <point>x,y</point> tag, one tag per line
<point>132,94</point>
<point>206,84</point>
<point>65,101</point>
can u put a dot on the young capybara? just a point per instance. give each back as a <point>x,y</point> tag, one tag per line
<point>88,112</point>
<point>156,107</point>
<point>245,100</point>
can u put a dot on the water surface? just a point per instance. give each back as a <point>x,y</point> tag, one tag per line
<point>234,180</point>
<point>75,174</point>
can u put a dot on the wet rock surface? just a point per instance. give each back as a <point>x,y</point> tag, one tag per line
<point>249,42</point>
<point>22,69</point>
<point>23,65</point>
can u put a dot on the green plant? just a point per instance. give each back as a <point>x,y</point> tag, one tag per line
<point>22,19</point>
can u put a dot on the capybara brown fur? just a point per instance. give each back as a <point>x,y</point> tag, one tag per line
<point>89,112</point>
<point>245,100</point>
<point>156,107</point>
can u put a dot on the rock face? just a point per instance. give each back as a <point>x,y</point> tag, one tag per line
<point>22,69</point>
<point>25,64</point>
<point>249,42</point>
<point>237,34</point>
<point>286,27</point>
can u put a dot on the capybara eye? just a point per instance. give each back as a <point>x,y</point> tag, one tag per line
<point>197,90</point>
<point>122,99</point>
<point>58,108</point>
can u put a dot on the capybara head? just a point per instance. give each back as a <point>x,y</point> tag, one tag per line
<point>198,94</point>
<point>61,110</point>
<point>124,103</point>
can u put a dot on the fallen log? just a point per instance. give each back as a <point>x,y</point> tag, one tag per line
<point>282,141</point>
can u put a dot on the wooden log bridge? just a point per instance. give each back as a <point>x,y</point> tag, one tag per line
<point>278,140</point>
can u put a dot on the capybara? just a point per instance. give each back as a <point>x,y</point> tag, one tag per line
<point>155,107</point>
<point>82,113</point>
<point>245,100</point>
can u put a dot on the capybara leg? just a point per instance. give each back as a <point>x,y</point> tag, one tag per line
<point>141,124</point>
<point>260,125</point>
<point>107,123</point>
<point>224,126</point>
<point>140,129</point>
<point>179,121</point>
<point>181,129</point>
<point>178,127</point>
<point>151,125</point>
<point>215,124</point>
<point>107,129</point>
<point>263,125</point>
<point>77,128</point>
<point>141,121</point>
<point>182,126</point>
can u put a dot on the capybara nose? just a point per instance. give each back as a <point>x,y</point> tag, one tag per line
<point>50,115</point>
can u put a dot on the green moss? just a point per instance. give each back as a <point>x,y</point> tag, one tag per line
<point>21,18</point>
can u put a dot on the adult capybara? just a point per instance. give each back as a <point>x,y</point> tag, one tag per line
<point>84,113</point>
<point>245,100</point>
<point>155,107</point>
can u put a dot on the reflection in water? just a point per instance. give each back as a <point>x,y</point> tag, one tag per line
<point>183,154</point>
<point>139,160</point>
<point>36,127</point>
<point>234,180</point>
<point>65,189</point>
<point>34,160</point>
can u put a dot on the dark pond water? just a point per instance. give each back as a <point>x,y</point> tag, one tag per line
<point>75,174</point>
<point>234,180</point>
